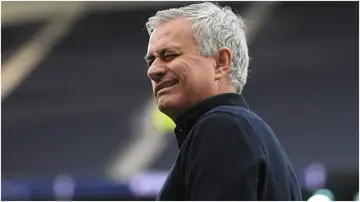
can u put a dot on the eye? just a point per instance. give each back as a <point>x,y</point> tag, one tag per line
<point>149,62</point>
<point>170,57</point>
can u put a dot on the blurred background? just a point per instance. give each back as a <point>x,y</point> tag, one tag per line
<point>78,117</point>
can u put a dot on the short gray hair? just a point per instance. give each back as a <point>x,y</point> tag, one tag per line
<point>214,27</point>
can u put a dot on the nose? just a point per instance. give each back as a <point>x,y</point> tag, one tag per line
<point>156,72</point>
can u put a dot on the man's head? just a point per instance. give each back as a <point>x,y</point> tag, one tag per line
<point>195,52</point>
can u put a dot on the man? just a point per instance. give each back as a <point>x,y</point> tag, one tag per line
<point>197,62</point>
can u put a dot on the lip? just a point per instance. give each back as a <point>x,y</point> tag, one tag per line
<point>163,84</point>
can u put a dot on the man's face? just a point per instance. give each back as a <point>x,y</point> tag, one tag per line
<point>180,76</point>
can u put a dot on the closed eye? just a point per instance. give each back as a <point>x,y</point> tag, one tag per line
<point>149,62</point>
<point>170,57</point>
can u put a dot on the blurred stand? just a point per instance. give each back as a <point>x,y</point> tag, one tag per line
<point>79,120</point>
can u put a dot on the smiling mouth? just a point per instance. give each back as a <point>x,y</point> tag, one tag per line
<point>165,87</point>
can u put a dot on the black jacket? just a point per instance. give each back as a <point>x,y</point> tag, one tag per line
<point>228,153</point>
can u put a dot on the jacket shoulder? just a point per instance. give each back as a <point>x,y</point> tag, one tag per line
<point>234,111</point>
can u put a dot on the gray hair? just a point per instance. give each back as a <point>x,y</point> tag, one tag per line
<point>214,27</point>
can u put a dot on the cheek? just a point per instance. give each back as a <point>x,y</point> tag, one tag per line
<point>186,75</point>
<point>192,74</point>
<point>196,76</point>
<point>179,69</point>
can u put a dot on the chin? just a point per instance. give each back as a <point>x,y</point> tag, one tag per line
<point>170,105</point>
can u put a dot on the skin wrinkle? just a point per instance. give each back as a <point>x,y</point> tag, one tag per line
<point>198,77</point>
<point>214,27</point>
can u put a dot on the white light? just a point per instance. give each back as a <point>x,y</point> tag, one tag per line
<point>319,198</point>
<point>325,192</point>
<point>356,198</point>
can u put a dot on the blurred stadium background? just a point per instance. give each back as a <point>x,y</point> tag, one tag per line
<point>79,123</point>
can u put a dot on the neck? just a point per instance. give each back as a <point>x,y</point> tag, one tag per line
<point>224,87</point>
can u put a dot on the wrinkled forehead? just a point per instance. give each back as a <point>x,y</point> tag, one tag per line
<point>176,32</point>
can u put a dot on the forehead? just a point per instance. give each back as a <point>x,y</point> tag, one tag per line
<point>175,33</point>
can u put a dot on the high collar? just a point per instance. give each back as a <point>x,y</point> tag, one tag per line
<point>187,120</point>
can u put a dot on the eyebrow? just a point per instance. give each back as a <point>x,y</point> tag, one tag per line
<point>162,52</point>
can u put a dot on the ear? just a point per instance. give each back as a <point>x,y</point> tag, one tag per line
<point>223,62</point>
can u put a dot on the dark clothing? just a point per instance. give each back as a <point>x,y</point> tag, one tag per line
<point>228,153</point>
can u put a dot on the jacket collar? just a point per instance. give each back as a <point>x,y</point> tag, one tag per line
<point>187,120</point>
